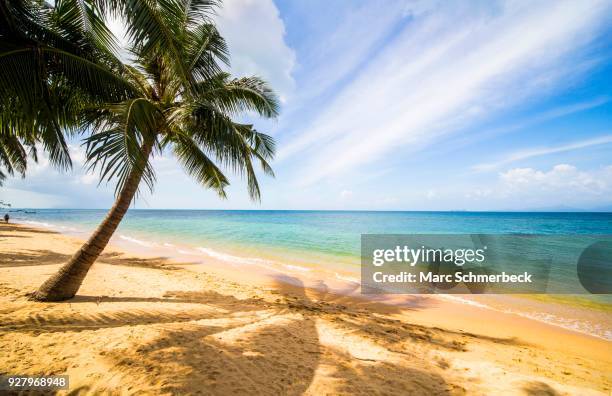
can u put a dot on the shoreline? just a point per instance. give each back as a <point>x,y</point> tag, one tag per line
<point>340,281</point>
<point>153,325</point>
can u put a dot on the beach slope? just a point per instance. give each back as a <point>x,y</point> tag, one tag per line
<point>149,325</point>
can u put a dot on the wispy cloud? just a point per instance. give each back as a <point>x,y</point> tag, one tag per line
<point>538,152</point>
<point>346,46</point>
<point>380,97</point>
<point>555,113</point>
<point>446,69</point>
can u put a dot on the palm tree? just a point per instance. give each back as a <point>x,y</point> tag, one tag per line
<point>53,61</point>
<point>178,101</point>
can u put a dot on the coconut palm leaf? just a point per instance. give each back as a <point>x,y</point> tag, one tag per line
<point>82,22</point>
<point>197,164</point>
<point>53,61</point>
<point>198,11</point>
<point>116,152</point>
<point>205,48</point>
<point>236,96</point>
<point>13,156</point>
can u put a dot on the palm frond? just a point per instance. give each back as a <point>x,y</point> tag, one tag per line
<point>262,146</point>
<point>117,151</point>
<point>13,156</point>
<point>82,22</point>
<point>238,95</point>
<point>197,164</point>
<point>26,73</point>
<point>157,25</point>
<point>233,145</point>
<point>198,11</point>
<point>204,47</point>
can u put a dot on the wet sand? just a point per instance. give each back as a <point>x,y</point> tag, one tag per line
<point>150,325</point>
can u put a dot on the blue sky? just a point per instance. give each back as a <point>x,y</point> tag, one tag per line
<point>405,105</point>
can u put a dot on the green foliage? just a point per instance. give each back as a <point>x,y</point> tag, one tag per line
<point>60,73</point>
<point>53,62</point>
<point>184,101</point>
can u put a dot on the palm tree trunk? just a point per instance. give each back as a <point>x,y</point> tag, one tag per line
<point>66,282</point>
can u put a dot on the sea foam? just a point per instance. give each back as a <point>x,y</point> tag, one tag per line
<point>137,241</point>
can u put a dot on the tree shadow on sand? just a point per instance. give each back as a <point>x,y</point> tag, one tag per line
<point>277,348</point>
<point>210,306</point>
<point>304,341</point>
<point>538,388</point>
<point>164,263</point>
<point>28,258</point>
<point>22,228</point>
<point>37,257</point>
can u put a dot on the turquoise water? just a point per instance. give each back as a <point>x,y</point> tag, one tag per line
<point>331,239</point>
<point>322,233</point>
<point>327,238</point>
<point>317,237</point>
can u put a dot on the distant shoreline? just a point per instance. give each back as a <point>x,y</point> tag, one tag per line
<point>569,211</point>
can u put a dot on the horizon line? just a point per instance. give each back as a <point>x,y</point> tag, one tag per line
<point>570,210</point>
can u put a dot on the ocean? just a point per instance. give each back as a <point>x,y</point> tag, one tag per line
<point>298,241</point>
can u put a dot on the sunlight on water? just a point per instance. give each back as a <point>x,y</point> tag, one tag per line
<point>300,240</point>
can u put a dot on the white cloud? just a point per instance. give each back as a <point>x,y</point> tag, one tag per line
<point>524,188</point>
<point>563,178</point>
<point>255,34</point>
<point>89,178</point>
<point>118,28</point>
<point>479,193</point>
<point>429,79</point>
<point>43,166</point>
<point>538,152</point>
<point>346,194</point>
<point>47,186</point>
<point>77,154</point>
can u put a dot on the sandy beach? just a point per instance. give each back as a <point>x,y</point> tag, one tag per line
<point>150,325</point>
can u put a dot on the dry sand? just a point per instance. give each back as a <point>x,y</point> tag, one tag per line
<point>151,326</point>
